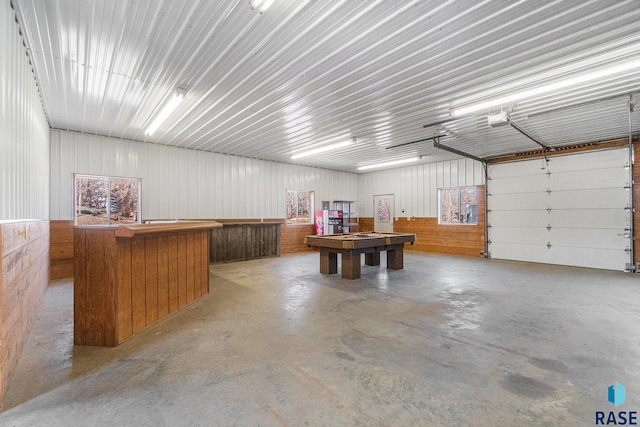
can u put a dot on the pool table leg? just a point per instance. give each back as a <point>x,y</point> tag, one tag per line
<point>350,265</point>
<point>328,262</point>
<point>372,258</point>
<point>395,258</point>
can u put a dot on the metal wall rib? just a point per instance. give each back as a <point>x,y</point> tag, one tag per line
<point>24,131</point>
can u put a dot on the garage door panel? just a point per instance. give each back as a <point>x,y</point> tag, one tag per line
<point>519,252</point>
<point>591,161</point>
<point>588,199</point>
<point>576,237</point>
<point>598,178</point>
<point>589,257</point>
<point>517,169</point>
<point>515,185</point>
<point>572,218</point>
<point>595,238</point>
<point>529,235</point>
<point>580,257</point>
<point>589,218</point>
<point>521,218</point>
<point>524,201</point>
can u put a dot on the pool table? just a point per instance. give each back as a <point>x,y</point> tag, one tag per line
<point>350,246</point>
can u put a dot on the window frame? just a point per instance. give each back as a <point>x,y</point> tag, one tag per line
<point>459,193</point>
<point>109,179</point>
<point>311,207</point>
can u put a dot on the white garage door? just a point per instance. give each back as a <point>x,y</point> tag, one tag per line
<point>570,211</point>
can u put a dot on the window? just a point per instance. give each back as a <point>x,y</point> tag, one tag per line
<point>299,207</point>
<point>458,205</point>
<point>103,200</point>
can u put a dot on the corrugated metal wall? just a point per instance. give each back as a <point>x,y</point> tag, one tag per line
<point>24,130</point>
<point>416,187</point>
<point>182,183</point>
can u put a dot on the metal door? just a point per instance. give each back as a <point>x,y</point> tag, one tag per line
<point>383,213</point>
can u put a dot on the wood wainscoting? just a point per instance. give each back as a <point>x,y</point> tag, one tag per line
<point>366,224</point>
<point>432,237</point>
<point>445,239</point>
<point>293,238</point>
<point>24,276</point>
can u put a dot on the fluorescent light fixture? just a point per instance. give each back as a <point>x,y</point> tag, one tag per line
<point>261,5</point>
<point>323,149</point>
<point>551,87</point>
<point>166,111</point>
<point>391,163</point>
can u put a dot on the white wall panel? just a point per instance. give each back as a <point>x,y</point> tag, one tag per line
<point>24,130</point>
<point>180,183</point>
<point>416,187</point>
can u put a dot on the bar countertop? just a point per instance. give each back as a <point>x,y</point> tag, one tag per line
<point>133,230</point>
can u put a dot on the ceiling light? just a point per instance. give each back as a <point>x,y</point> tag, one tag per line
<point>323,149</point>
<point>391,163</point>
<point>176,99</point>
<point>261,5</point>
<point>544,89</point>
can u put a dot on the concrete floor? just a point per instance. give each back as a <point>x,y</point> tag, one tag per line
<point>446,341</point>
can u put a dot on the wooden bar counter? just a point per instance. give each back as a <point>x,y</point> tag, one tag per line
<point>130,277</point>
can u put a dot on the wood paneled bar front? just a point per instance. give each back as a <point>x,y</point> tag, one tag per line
<point>130,277</point>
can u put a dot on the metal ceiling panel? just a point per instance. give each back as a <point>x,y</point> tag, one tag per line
<point>306,73</point>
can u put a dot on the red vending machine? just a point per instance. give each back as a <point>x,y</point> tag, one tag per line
<point>328,222</point>
<point>322,222</point>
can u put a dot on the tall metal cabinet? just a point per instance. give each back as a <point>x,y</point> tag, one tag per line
<point>349,210</point>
